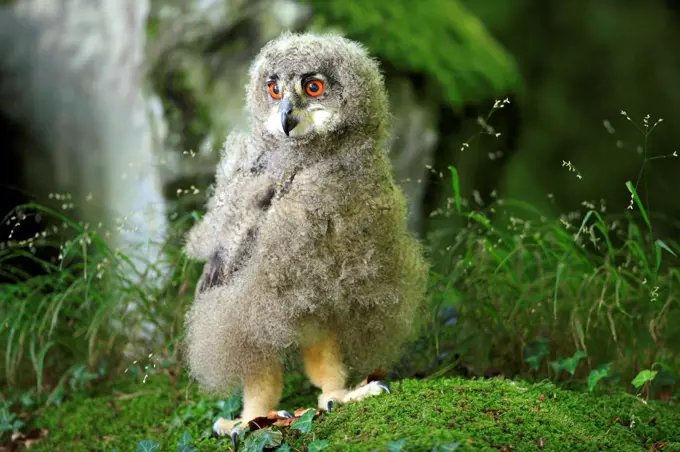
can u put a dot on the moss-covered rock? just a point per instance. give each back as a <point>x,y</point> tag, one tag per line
<point>474,414</point>
<point>440,39</point>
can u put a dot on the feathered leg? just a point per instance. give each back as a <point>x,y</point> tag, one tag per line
<point>261,393</point>
<point>325,369</point>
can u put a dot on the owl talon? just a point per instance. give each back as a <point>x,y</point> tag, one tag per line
<point>382,385</point>
<point>331,404</point>
<point>234,439</point>
<point>224,427</point>
<point>374,388</point>
<point>284,414</point>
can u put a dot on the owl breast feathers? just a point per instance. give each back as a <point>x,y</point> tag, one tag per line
<point>306,232</point>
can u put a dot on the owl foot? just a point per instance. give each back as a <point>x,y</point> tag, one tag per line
<point>329,400</point>
<point>233,428</point>
<point>223,427</point>
<point>373,388</point>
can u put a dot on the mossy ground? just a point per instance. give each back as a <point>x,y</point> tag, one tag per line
<point>493,414</point>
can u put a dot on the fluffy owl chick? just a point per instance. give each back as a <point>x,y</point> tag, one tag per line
<point>305,237</point>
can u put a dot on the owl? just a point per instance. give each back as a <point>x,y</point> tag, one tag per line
<point>305,236</point>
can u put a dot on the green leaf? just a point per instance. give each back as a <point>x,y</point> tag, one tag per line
<point>319,444</point>
<point>396,446</point>
<point>570,364</point>
<point>662,245</point>
<point>665,367</point>
<point>255,443</point>
<point>556,366</point>
<point>535,352</point>
<point>274,437</point>
<point>304,423</point>
<point>643,377</point>
<point>26,399</point>
<point>658,246</point>
<point>598,374</point>
<point>228,408</point>
<point>184,444</point>
<point>632,191</point>
<point>456,188</point>
<point>284,448</point>
<point>147,445</point>
<point>185,440</point>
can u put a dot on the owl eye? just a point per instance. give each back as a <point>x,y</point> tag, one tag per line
<point>274,90</point>
<point>314,88</point>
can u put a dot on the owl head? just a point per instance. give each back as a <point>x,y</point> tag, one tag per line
<point>305,86</point>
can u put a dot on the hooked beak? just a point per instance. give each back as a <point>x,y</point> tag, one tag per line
<point>288,119</point>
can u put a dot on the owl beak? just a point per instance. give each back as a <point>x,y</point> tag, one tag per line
<point>288,119</point>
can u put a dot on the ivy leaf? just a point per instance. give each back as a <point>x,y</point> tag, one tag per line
<point>319,444</point>
<point>228,408</point>
<point>147,445</point>
<point>598,374</point>
<point>184,444</point>
<point>274,437</point>
<point>396,446</point>
<point>643,377</point>
<point>570,364</point>
<point>535,352</point>
<point>255,443</point>
<point>304,423</point>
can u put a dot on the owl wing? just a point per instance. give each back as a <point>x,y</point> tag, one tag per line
<point>207,236</point>
<point>224,238</point>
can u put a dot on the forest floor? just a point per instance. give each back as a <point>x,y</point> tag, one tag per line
<point>167,413</point>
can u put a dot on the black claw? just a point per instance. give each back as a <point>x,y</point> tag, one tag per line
<point>285,414</point>
<point>215,435</point>
<point>234,439</point>
<point>330,404</point>
<point>383,385</point>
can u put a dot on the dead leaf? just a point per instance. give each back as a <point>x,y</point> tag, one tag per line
<point>300,411</point>
<point>541,443</point>
<point>124,396</point>
<point>285,422</point>
<point>260,422</point>
<point>27,439</point>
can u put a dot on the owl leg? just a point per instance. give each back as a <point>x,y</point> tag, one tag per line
<point>261,393</point>
<point>324,366</point>
<point>325,369</point>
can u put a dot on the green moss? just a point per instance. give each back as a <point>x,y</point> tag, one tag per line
<point>439,38</point>
<point>476,414</point>
<point>493,414</point>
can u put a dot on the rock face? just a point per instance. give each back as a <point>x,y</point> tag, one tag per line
<point>71,84</point>
<point>74,76</point>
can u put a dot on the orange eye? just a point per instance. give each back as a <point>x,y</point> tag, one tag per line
<point>274,90</point>
<point>314,88</point>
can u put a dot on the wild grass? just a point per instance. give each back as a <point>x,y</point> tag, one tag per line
<point>531,292</point>
<point>88,307</point>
